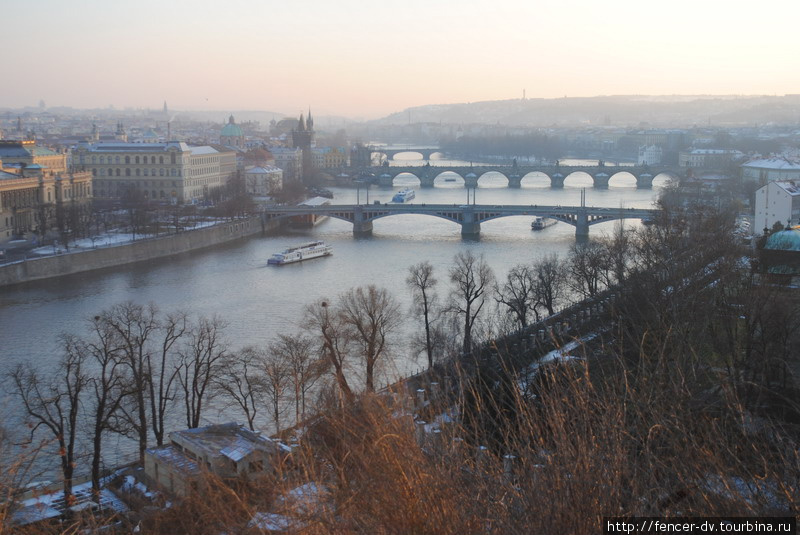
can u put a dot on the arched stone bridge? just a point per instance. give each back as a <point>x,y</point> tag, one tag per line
<point>469,216</point>
<point>601,174</point>
<point>391,152</point>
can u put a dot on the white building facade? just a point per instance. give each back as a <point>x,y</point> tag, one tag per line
<point>263,180</point>
<point>649,155</point>
<point>777,201</point>
<point>167,172</point>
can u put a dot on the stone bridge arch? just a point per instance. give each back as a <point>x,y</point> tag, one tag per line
<point>579,179</point>
<point>536,179</point>
<point>485,178</point>
<point>622,179</point>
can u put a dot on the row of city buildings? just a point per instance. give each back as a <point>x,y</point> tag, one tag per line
<point>37,183</point>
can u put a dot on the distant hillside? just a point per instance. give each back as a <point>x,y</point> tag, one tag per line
<point>631,110</point>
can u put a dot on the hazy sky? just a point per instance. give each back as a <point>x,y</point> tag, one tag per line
<point>370,58</point>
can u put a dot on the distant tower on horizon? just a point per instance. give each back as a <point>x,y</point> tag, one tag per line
<point>166,110</point>
<point>303,138</point>
<point>120,134</point>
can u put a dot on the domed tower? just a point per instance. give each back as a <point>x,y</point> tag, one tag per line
<point>232,134</point>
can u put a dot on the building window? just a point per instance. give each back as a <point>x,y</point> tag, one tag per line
<point>127,172</point>
<point>161,172</point>
<point>160,159</point>
<point>117,172</point>
<point>94,159</point>
<point>127,159</point>
<point>137,159</point>
<point>116,159</point>
<point>138,172</point>
<point>94,172</point>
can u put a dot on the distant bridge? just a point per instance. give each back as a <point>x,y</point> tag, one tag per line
<point>469,216</point>
<point>427,174</point>
<point>391,152</point>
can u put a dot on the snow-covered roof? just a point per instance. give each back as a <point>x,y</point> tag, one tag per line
<point>789,186</point>
<point>133,147</point>
<point>262,169</point>
<point>202,150</point>
<point>174,457</point>
<point>774,163</point>
<point>316,201</point>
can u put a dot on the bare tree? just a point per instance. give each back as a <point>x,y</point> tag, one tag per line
<point>201,358</point>
<point>108,387</point>
<point>241,379</point>
<point>134,325</point>
<point>551,280</point>
<point>54,403</point>
<point>276,382</point>
<point>372,315</point>
<point>473,280</point>
<point>422,283</point>
<point>304,366</point>
<point>335,340</point>
<point>518,294</point>
<point>586,268</point>
<point>163,371</point>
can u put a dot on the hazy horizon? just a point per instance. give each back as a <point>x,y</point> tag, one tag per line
<point>368,61</point>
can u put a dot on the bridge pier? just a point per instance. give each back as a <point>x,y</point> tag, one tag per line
<point>471,180</point>
<point>581,224</point>
<point>557,181</point>
<point>361,225</point>
<point>514,181</point>
<point>644,181</point>
<point>426,181</point>
<point>470,226</point>
<point>601,180</point>
<point>385,180</point>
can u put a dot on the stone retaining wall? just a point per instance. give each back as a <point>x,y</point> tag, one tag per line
<point>139,251</point>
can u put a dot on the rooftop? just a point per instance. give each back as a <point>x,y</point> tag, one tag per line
<point>229,440</point>
<point>774,163</point>
<point>790,187</point>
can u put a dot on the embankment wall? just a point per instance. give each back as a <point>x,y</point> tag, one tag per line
<point>139,251</point>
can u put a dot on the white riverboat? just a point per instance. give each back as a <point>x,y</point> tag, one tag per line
<point>302,252</point>
<point>404,195</point>
<point>540,223</point>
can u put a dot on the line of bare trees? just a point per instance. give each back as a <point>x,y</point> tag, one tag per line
<point>137,369</point>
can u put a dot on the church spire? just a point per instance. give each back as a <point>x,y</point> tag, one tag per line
<point>302,126</point>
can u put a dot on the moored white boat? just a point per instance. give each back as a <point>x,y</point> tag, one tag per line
<point>302,252</point>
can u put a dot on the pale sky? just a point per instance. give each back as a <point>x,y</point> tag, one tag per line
<point>366,59</point>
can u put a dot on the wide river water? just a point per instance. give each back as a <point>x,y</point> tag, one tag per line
<point>258,302</point>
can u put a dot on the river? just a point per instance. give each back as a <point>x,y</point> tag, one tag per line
<point>258,302</point>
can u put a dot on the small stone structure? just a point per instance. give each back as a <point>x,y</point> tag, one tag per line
<point>225,450</point>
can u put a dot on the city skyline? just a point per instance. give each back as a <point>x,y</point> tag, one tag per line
<point>366,61</point>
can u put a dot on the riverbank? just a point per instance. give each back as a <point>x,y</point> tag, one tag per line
<point>138,251</point>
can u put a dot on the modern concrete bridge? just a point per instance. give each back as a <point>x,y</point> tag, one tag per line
<point>601,174</point>
<point>469,216</point>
